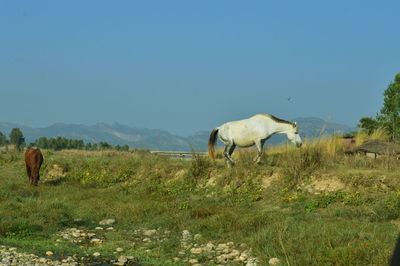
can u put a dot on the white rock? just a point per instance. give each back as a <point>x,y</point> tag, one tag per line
<point>119,250</point>
<point>95,241</point>
<point>222,246</point>
<point>149,232</point>
<point>49,253</point>
<point>197,237</point>
<point>99,228</point>
<point>196,250</point>
<point>186,234</point>
<point>76,234</point>
<point>210,246</point>
<point>234,253</point>
<point>122,259</point>
<point>222,258</point>
<point>193,261</point>
<point>274,261</point>
<point>96,254</point>
<point>106,222</point>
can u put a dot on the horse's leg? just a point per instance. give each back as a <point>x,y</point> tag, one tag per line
<point>28,172</point>
<point>259,145</point>
<point>35,176</point>
<point>229,148</point>
<point>232,149</point>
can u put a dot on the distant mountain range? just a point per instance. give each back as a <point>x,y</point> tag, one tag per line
<point>155,139</point>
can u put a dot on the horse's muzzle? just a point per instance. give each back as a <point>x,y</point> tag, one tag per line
<point>299,145</point>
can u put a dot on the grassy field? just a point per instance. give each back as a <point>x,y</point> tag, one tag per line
<point>308,206</point>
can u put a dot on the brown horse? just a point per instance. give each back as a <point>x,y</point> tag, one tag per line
<point>33,161</point>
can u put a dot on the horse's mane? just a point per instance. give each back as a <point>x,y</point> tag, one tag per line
<point>278,120</point>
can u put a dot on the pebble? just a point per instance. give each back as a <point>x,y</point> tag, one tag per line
<point>210,246</point>
<point>274,261</point>
<point>107,222</point>
<point>186,235</point>
<point>197,237</point>
<point>196,250</point>
<point>149,232</point>
<point>222,246</point>
<point>49,253</point>
<point>96,254</point>
<point>193,261</point>
<point>122,259</point>
<point>95,241</point>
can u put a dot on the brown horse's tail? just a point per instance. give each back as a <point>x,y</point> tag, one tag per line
<point>211,143</point>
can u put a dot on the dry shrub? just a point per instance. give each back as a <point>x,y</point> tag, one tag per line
<point>363,136</point>
<point>300,164</point>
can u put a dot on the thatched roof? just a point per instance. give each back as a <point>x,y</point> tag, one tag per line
<point>377,146</point>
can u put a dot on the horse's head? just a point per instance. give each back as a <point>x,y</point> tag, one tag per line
<point>293,135</point>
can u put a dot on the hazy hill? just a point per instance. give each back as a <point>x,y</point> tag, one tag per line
<point>156,139</point>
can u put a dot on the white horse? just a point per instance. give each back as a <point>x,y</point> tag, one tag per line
<point>247,132</point>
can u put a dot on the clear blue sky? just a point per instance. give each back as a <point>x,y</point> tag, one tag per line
<point>187,66</point>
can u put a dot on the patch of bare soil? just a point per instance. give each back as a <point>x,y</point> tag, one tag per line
<point>267,181</point>
<point>325,184</point>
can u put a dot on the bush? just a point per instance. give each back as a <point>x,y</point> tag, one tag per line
<point>388,208</point>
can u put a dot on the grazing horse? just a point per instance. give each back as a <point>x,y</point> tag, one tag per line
<point>33,161</point>
<point>254,130</point>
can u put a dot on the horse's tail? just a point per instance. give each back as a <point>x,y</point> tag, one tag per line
<point>211,143</point>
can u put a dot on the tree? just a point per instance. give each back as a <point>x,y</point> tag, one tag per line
<point>125,148</point>
<point>17,138</point>
<point>369,124</point>
<point>104,145</point>
<point>3,139</point>
<point>389,116</point>
<point>390,112</point>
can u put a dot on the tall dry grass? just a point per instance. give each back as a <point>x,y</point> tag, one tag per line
<point>363,136</point>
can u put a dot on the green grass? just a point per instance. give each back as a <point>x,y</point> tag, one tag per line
<point>356,226</point>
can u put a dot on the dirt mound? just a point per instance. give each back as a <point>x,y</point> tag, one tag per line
<point>326,184</point>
